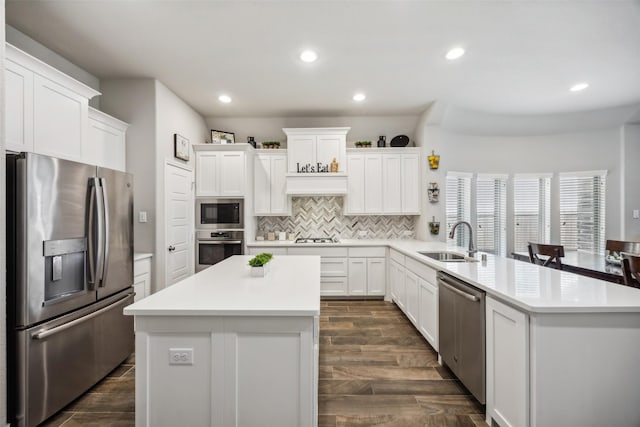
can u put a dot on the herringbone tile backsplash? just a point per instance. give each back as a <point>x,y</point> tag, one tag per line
<point>322,216</point>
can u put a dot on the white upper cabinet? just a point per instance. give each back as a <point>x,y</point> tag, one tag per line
<point>19,107</point>
<point>269,189</point>
<point>383,181</point>
<point>411,183</point>
<point>48,111</point>
<point>106,142</point>
<point>310,146</point>
<point>220,172</point>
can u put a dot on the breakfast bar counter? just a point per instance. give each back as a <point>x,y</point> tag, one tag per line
<point>225,348</point>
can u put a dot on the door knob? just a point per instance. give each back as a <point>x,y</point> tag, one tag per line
<point>172,248</point>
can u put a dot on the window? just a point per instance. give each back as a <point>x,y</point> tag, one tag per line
<point>531,210</point>
<point>582,211</point>
<point>491,213</point>
<point>458,203</point>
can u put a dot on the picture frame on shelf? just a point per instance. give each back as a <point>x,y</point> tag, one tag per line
<point>181,147</point>
<point>222,137</point>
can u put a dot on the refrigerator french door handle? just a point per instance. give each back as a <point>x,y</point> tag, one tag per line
<point>48,332</point>
<point>105,203</point>
<point>90,237</point>
<point>100,228</point>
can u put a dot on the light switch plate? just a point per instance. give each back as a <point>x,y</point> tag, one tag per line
<point>180,356</point>
<point>142,216</point>
<point>636,214</point>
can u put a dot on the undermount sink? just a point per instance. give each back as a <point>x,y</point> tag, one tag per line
<point>447,256</point>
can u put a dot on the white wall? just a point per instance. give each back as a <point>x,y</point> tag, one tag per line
<point>3,284</point>
<point>365,128</point>
<point>630,182</point>
<point>173,115</point>
<point>593,150</point>
<point>43,53</point>
<point>134,100</point>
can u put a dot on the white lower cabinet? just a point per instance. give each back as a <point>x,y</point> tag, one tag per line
<point>367,276</point>
<point>397,278</point>
<point>142,278</point>
<point>428,321</point>
<point>334,267</point>
<point>507,344</point>
<point>412,306</point>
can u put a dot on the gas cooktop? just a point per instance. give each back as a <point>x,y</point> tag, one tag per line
<point>316,240</point>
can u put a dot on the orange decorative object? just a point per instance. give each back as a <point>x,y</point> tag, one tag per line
<point>434,160</point>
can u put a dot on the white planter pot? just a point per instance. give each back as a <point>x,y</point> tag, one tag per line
<point>260,271</point>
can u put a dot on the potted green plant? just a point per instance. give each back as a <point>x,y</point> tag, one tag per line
<point>271,144</point>
<point>361,144</point>
<point>260,264</point>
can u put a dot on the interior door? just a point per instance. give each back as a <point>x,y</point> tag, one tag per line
<point>118,191</point>
<point>179,223</point>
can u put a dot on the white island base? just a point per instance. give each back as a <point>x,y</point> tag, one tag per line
<point>222,348</point>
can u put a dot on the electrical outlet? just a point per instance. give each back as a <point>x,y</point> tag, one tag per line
<point>142,216</point>
<point>407,233</point>
<point>180,356</point>
<point>636,214</point>
<point>363,233</point>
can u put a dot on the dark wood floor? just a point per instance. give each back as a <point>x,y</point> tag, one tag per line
<point>375,370</point>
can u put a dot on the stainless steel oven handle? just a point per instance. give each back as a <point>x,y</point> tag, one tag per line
<point>219,242</point>
<point>47,333</point>
<point>459,292</point>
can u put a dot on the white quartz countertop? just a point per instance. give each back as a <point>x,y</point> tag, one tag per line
<point>290,288</point>
<point>530,287</point>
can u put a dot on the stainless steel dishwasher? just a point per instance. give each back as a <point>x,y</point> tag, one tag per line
<point>462,332</point>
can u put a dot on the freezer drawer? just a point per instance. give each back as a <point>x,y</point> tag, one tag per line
<point>59,360</point>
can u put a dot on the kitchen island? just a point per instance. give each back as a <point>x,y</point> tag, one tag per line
<point>224,348</point>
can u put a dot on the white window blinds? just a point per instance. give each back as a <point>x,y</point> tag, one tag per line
<point>458,203</point>
<point>531,210</point>
<point>491,213</point>
<point>582,211</point>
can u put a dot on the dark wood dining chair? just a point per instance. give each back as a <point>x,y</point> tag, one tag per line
<point>552,252</point>
<point>622,246</point>
<point>631,269</point>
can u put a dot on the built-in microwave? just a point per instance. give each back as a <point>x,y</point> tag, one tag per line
<point>217,214</point>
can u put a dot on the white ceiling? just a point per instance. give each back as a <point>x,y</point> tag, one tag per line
<point>522,56</point>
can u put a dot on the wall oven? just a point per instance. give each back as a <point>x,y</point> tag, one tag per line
<point>218,214</point>
<point>214,246</point>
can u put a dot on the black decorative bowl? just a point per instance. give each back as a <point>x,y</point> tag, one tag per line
<point>399,141</point>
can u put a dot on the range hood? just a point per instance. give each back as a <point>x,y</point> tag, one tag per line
<point>310,152</point>
<point>317,184</point>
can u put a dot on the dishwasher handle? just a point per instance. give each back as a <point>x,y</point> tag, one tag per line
<point>463,294</point>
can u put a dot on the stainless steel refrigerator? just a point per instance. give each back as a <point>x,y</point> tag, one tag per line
<point>69,276</point>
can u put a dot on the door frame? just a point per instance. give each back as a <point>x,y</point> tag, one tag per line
<point>191,262</point>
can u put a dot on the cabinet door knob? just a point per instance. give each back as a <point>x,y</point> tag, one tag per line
<point>172,248</point>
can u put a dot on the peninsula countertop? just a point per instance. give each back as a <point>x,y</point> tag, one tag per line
<point>529,287</point>
<point>290,288</point>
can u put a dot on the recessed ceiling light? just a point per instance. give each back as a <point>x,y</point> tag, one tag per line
<point>359,97</point>
<point>579,86</point>
<point>308,56</point>
<point>454,53</point>
<point>224,98</point>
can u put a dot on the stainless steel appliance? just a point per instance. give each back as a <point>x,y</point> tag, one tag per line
<point>218,214</point>
<point>214,246</point>
<point>316,240</point>
<point>462,332</point>
<point>69,276</point>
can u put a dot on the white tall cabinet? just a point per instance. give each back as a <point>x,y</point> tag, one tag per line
<point>383,181</point>
<point>269,183</point>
